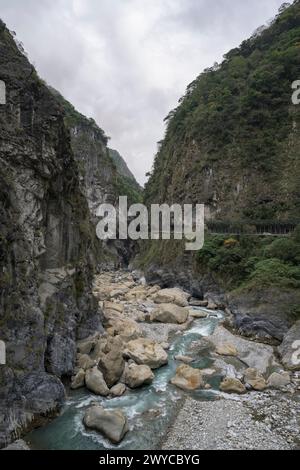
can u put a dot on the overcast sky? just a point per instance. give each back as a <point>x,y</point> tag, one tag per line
<point>127,62</point>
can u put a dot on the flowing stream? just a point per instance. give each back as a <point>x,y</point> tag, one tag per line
<point>150,409</point>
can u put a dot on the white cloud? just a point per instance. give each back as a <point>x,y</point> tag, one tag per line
<point>127,62</point>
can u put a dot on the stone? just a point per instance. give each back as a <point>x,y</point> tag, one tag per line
<point>118,293</point>
<point>188,378</point>
<point>127,329</point>
<point>208,372</point>
<point>138,375</point>
<point>110,360</point>
<point>146,351</point>
<point>252,354</point>
<point>185,359</point>
<point>110,423</point>
<point>198,314</point>
<point>211,305</point>
<point>232,385</point>
<point>169,313</point>
<point>198,303</point>
<point>85,362</point>
<point>165,345</point>
<point>226,349</point>
<point>118,390</point>
<point>174,295</point>
<point>114,306</point>
<point>279,380</point>
<point>86,345</point>
<point>78,380</point>
<point>255,379</point>
<point>95,382</point>
<point>289,349</point>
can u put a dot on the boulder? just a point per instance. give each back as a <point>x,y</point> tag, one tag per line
<point>110,360</point>
<point>289,349</point>
<point>85,362</point>
<point>211,305</point>
<point>198,303</point>
<point>146,351</point>
<point>117,390</point>
<point>169,313</point>
<point>127,329</point>
<point>255,379</point>
<point>86,345</point>
<point>113,306</point>
<point>172,296</point>
<point>185,359</point>
<point>198,314</point>
<point>110,423</point>
<point>138,375</point>
<point>78,380</point>
<point>188,378</point>
<point>232,385</point>
<point>95,382</point>
<point>252,354</point>
<point>279,380</point>
<point>226,349</point>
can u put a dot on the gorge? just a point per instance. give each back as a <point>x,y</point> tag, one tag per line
<point>107,338</point>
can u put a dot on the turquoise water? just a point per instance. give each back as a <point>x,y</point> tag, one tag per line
<point>150,410</point>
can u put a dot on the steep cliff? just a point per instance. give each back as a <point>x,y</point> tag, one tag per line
<point>104,176</point>
<point>126,180</point>
<point>47,246</point>
<point>233,143</point>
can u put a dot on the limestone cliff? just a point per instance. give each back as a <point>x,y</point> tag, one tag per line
<point>233,143</point>
<point>47,246</point>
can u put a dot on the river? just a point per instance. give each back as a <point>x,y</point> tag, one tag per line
<point>150,410</point>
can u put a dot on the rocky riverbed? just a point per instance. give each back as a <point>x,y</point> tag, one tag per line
<point>165,364</point>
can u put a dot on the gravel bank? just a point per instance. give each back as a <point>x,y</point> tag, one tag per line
<point>225,424</point>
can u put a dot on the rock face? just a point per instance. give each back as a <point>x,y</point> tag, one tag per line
<point>206,143</point>
<point>145,351</point>
<point>95,382</point>
<point>46,246</point>
<point>289,349</point>
<point>188,378</point>
<point>111,423</point>
<point>138,375</point>
<point>170,313</point>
